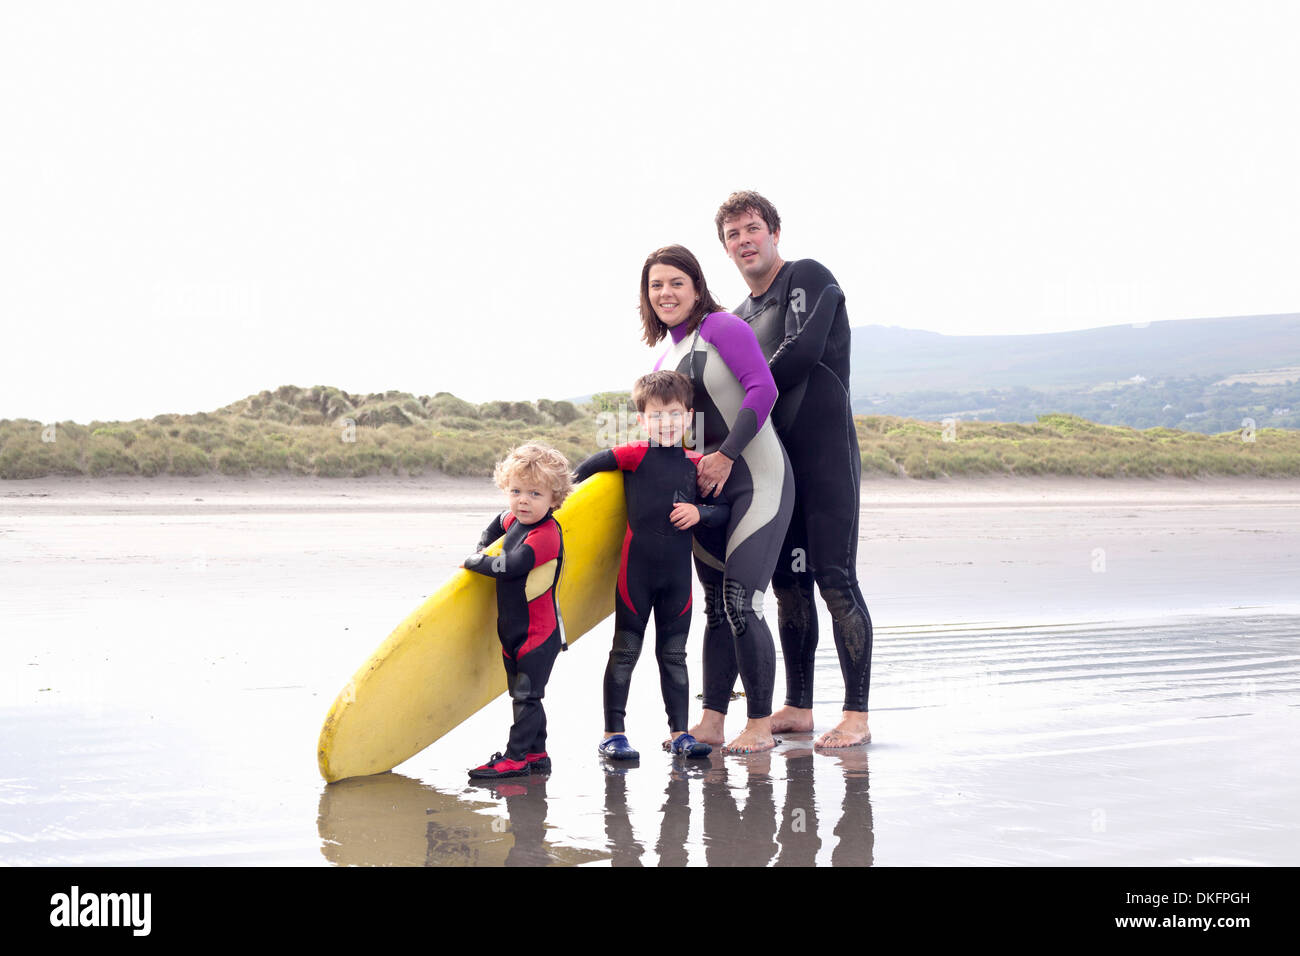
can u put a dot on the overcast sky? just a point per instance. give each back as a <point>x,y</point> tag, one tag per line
<point>202,200</point>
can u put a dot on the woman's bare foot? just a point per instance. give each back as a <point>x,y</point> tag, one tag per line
<point>755,738</point>
<point>709,729</point>
<point>792,720</point>
<point>851,732</point>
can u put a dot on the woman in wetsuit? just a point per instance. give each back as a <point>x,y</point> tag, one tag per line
<point>734,395</point>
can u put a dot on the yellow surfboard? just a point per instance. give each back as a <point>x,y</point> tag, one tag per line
<point>443,663</point>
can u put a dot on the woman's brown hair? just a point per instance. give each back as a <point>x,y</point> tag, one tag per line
<point>679,257</point>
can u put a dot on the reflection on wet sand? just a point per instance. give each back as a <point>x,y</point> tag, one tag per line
<point>856,829</point>
<point>752,835</point>
<point>798,837</point>
<point>625,849</point>
<point>676,826</point>
<point>393,820</point>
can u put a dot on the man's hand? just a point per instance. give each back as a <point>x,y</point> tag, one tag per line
<point>712,473</point>
<point>684,515</point>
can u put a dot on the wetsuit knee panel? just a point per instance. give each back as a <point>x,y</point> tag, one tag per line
<point>521,688</point>
<point>714,601</point>
<point>835,579</point>
<point>626,647</point>
<point>851,621</point>
<point>673,650</point>
<point>740,601</point>
<point>794,607</point>
<point>843,602</point>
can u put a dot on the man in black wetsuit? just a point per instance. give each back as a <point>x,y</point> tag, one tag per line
<point>797,312</point>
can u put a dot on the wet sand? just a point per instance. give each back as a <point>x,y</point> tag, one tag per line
<point>1066,672</point>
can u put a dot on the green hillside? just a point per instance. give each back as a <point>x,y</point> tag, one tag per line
<point>327,432</point>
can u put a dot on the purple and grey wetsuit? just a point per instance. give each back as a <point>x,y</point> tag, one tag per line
<point>734,395</point>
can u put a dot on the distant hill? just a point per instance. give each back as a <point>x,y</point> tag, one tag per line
<point>1205,375</point>
<point>891,360</point>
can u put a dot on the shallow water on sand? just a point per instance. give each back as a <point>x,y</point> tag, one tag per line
<point>1100,677</point>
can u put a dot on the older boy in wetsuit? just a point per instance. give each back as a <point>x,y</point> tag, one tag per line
<point>535,479</point>
<point>797,312</point>
<point>659,477</point>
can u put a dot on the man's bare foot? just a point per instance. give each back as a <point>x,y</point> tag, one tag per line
<point>709,729</point>
<point>792,720</point>
<point>851,731</point>
<point>755,738</point>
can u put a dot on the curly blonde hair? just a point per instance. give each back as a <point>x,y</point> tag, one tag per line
<point>536,464</point>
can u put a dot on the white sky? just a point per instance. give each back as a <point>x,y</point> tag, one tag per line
<point>202,200</point>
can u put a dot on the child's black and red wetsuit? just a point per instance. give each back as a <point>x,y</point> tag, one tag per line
<point>655,573</point>
<point>528,620</point>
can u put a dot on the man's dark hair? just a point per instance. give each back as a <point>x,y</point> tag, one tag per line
<point>747,200</point>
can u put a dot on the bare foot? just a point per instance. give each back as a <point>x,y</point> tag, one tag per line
<point>709,729</point>
<point>851,732</point>
<point>755,738</point>
<point>792,720</point>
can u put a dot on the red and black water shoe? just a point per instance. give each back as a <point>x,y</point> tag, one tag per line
<point>539,763</point>
<point>499,766</point>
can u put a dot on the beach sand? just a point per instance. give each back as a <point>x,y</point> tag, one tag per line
<point>1065,672</point>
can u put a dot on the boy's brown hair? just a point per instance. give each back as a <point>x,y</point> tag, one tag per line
<point>537,464</point>
<point>747,200</point>
<point>664,387</point>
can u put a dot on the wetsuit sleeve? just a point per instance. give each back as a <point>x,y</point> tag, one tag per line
<point>540,545</point>
<point>738,347</point>
<point>601,461</point>
<point>492,531</point>
<point>508,564</point>
<point>714,516</point>
<point>814,291</point>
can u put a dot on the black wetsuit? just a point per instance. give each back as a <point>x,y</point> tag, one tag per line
<point>528,620</point>
<point>655,573</point>
<point>734,395</point>
<point>803,328</point>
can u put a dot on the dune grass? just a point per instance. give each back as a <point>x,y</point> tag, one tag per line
<point>327,432</point>
<point>1069,445</point>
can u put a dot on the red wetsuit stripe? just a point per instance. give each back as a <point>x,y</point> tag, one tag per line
<point>629,456</point>
<point>622,571</point>
<point>545,542</point>
<point>541,622</point>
